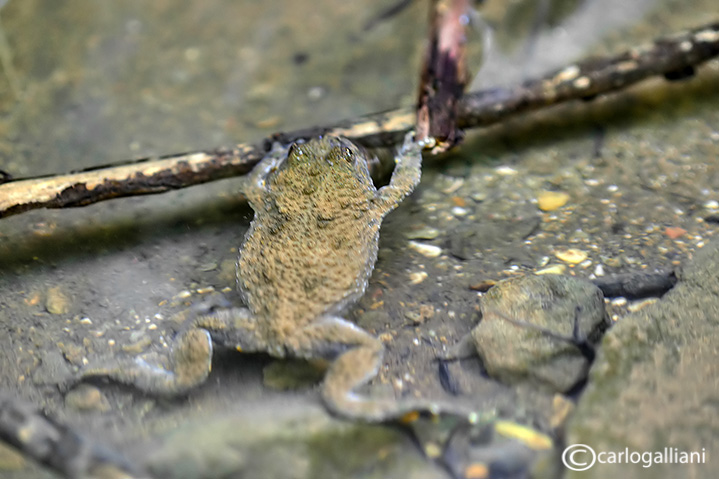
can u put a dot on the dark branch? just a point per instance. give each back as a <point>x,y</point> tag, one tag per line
<point>671,57</point>
<point>444,75</point>
<point>637,285</point>
<point>56,445</point>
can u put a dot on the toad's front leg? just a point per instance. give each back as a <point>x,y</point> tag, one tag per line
<point>357,359</point>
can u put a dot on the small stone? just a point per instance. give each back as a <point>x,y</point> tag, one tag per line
<point>552,200</point>
<point>417,277</point>
<point>505,171</point>
<point>454,185</point>
<point>674,232</point>
<point>599,270</point>
<point>459,211</point>
<point>572,255</point>
<point>619,302</point>
<point>413,316</point>
<point>554,269</point>
<point>476,470</point>
<point>433,450</point>
<point>425,233</point>
<point>428,250</point>
<point>56,302</point>
<point>526,435</point>
<point>459,201</point>
<point>87,398</point>
<point>479,196</point>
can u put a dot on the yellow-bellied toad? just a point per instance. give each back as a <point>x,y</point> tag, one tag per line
<point>308,254</point>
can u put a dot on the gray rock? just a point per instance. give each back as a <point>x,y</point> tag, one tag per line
<point>655,382</point>
<point>293,440</point>
<point>526,331</point>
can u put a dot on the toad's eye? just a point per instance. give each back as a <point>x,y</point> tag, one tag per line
<point>347,154</point>
<point>295,151</point>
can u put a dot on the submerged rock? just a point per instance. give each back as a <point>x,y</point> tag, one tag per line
<point>654,385</point>
<point>538,329</point>
<point>288,441</point>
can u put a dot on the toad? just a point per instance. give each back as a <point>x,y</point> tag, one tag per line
<point>307,256</point>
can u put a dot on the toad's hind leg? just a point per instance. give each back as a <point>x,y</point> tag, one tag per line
<point>357,359</point>
<point>187,366</point>
<point>190,358</point>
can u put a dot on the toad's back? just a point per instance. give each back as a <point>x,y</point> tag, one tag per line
<point>313,242</point>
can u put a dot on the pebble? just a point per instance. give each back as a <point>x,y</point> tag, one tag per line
<point>554,269</point>
<point>87,398</point>
<point>572,255</point>
<point>505,171</point>
<point>620,301</point>
<point>417,277</point>
<point>674,232</point>
<point>552,200</point>
<point>459,211</point>
<point>425,233</point>
<point>528,436</point>
<point>428,250</point>
<point>476,470</point>
<point>56,302</point>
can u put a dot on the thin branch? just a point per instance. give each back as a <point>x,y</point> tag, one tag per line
<point>673,57</point>
<point>444,74</point>
<point>637,285</point>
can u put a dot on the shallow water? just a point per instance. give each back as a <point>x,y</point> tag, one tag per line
<point>107,81</point>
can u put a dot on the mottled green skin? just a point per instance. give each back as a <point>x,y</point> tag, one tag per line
<point>312,244</point>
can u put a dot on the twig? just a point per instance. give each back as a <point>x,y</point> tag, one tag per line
<point>672,57</point>
<point>637,285</point>
<point>57,446</point>
<point>444,74</point>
